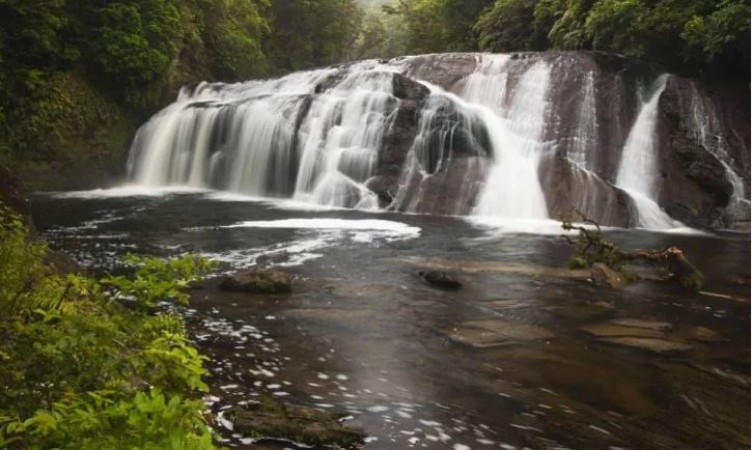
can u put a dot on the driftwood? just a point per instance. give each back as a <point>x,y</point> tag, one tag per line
<point>592,248</point>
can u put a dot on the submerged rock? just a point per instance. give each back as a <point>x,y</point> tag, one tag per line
<point>294,422</point>
<point>258,281</point>
<point>491,333</point>
<point>704,334</point>
<point>661,346</point>
<point>604,330</point>
<point>440,280</point>
<point>643,324</point>
<point>637,333</point>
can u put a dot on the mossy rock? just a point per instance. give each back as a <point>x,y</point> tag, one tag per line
<point>258,281</point>
<point>310,426</point>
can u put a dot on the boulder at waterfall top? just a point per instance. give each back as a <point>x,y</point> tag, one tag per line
<point>257,281</point>
<point>524,136</point>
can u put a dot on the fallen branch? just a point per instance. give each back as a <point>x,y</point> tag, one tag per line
<point>592,248</point>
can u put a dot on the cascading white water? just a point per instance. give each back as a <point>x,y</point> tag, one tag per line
<point>586,133</point>
<point>638,168</point>
<point>259,148</point>
<point>376,134</point>
<point>487,85</point>
<point>512,189</point>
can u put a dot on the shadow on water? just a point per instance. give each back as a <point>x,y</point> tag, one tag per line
<point>523,356</point>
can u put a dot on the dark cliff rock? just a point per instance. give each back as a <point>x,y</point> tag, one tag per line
<point>453,190</point>
<point>570,190</point>
<point>406,89</point>
<point>693,187</point>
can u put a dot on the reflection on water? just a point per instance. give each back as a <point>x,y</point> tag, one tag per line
<point>525,355</point>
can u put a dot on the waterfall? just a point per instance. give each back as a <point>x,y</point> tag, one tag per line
<point>512,189</point>
<point>508,136</point>
<point>586,134</point>
<point>638,168</point>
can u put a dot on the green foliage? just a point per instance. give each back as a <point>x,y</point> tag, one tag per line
<point>26,284</point>
<point>234,32</point>
<point>724,29</point>
<point>616,25</point>
<point>307,33</point>
<point>673,32</point>
<point>156,280</point>
<point>508,26</point>
<point>80,371</point>
<point>133,45</point>
<point>591,248</point>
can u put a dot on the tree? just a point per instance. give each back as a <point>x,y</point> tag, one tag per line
<point>617,25</point>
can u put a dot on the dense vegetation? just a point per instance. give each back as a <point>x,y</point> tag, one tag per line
<point>78,76</point>
<point>78,370</point>
<point>681,34</point>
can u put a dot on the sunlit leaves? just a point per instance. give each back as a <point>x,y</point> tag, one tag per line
<point>80,371</point>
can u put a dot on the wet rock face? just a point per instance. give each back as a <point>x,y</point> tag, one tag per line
<point>694,188</point>
<point>569,189</point>
<point>443,70</point>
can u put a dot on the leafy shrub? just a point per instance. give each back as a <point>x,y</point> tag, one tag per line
<point>80,371</point>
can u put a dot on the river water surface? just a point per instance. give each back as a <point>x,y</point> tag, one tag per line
<point>524,356</point>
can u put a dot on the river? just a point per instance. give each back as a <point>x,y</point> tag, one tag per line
<point>511,360</point>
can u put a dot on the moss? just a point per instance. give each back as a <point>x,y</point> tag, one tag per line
<point>74,138</point>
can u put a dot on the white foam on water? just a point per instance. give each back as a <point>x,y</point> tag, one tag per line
<point>128,190</point>
<point>277,203</point>
<point>296,252</point>
<point>325,223</point>
<point>500,225</point>
<point>363,231</point>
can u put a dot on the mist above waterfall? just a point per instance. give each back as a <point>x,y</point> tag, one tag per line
<point>519,137</point>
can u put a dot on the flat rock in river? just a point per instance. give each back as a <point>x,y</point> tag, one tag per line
<point>606,330</point>
<point>489,333</point>
<point>644,324</point>
<point>652,345</point>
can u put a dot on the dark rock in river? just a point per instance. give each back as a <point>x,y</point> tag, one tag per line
<point>301,424</point>
<point>258,281</point>
<point>573,189</point>
<point>440,280</point>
